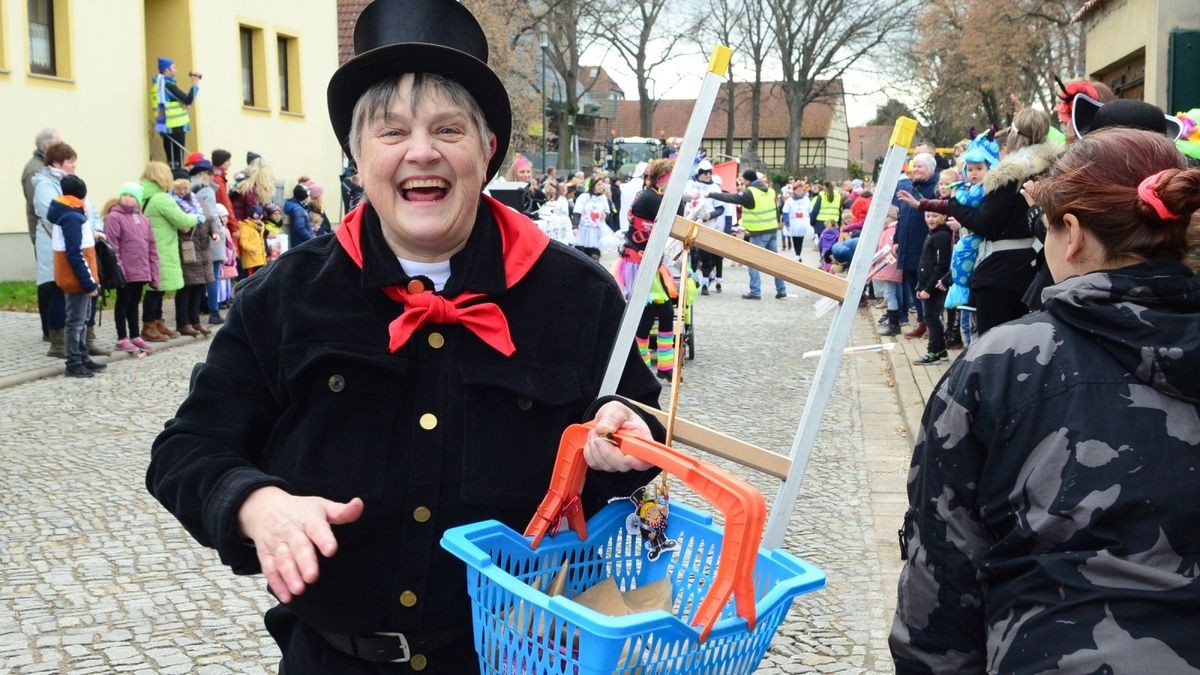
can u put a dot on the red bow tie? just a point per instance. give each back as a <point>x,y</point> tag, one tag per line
<point>484,319</point>
<point>522,243</point>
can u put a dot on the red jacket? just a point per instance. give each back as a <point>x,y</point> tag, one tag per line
<point>222,190</point>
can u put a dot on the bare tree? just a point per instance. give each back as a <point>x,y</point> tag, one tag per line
<point>570,31</point>
<point>722,24</point>
<point>825,39</point>
<point>505,22</point>
<point>760,44</point>
<point>636,32</point>
<point>961,85</point>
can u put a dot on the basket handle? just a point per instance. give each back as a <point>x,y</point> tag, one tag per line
<point>743,506</point>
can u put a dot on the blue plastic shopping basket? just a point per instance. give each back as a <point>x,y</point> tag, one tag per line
<point>520,629</point>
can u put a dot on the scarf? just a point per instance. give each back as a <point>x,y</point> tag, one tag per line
<point>521,244</point>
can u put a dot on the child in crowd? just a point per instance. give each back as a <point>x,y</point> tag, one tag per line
<point>253,240</point>
<point>935,262</point>
<point>886,275</point>
<point>796,218</point>
<point>132,239</point>
<point>181,191</point>
<point>229,265</point>
<point>556,214</point>
<point>317,221</point>
<point>75,270</point>
<point>593,208</point>
<point>273,218</point>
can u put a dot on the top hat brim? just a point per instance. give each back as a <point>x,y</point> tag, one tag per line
<point>357,75</point>
<point>1083,111</point>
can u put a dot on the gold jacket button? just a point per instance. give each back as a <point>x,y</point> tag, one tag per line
<point>408,598</point>
<point>422,514</point>
<point>418,662</point>
<point>336,383</point>
<point>524,403</point>
<point>436,340</point>
<point>415,286</point>
<point>428,421</point>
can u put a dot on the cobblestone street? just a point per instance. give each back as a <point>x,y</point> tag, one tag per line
<point>98,578</point>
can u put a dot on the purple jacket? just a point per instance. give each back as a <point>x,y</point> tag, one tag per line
<point>132,239</point>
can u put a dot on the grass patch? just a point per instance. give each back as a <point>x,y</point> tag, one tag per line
<point>18,296</point>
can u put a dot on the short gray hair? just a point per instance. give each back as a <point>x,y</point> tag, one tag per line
<point>44,138</point>
<point>377,101</point>
<point>925,159</point>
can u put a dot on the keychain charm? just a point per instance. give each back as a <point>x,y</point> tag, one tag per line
<point>649,520</point>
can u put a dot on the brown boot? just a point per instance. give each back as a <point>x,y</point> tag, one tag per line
<point>186,329</point>
<point>917,332</point>
<point>166,332</point>
<point>150,332</point>
<point>200,327</point>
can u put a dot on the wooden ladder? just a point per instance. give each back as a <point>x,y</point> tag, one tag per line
<point>843,291</point>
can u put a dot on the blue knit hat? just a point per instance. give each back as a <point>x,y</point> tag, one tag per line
<point>164,63</point>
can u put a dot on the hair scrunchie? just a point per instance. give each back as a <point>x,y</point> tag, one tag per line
<point>1148,192</point>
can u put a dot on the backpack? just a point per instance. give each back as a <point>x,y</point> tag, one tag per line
<point>111,274</point>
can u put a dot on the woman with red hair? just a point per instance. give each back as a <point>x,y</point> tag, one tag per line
<point>1053,501</point>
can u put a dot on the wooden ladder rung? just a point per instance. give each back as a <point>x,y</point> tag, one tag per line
<point>761,259</point>
<point>728,447</point>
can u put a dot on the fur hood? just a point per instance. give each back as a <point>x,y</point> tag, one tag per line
<point>1022,165</point>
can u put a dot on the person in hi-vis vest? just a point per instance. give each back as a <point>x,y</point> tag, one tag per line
<point>169,106</point>
<point>760,219</point>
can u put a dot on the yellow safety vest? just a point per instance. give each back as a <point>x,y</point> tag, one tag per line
<point>831,209</point>
<point>762,217</point>
<point>177,114</point>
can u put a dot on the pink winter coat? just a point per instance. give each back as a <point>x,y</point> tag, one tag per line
<point>132,239</point>
<point>882,270</point>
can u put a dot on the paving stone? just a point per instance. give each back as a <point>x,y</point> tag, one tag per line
<point>106,581</point>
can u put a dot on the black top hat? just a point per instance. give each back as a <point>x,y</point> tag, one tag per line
<point>392,37</point>
<point>1088,115</point>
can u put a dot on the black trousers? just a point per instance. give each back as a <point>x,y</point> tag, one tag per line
<point>52,307</point>
<point>797,245</point>
<point>994,306</point>
<point>126,310</point>
<point>710,262</point>
<point>933,321</point>
<point>187,305</point>
<point>152,305</point>
<point>173,146</point>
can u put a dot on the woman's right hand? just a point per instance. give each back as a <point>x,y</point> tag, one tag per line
<point>286,528</point>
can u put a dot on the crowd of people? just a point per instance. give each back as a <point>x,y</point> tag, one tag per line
<point>193,231</point>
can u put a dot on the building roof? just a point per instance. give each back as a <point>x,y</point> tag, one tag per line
<point>348,11</point>
<point>1088,7</point>
<point>671,115</point>
<point>596,79</point>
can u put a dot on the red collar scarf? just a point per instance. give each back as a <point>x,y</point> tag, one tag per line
<point>521,244</point>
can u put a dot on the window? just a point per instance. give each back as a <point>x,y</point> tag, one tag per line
<point>288,57</point>
<point>247,45</point>
<point>254,85</point>
<point>42,57</point>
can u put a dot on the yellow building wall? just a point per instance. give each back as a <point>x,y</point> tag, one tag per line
<point>293,144</point>
<point>1121,27</point>
<point>103,108</point>
<point>100,109</point>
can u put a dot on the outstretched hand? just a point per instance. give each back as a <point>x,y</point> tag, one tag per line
<point>600,453</point>
<point>907,198</point>
<point>285,529</point>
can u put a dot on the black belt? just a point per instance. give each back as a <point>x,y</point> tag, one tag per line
<point>391,647</point>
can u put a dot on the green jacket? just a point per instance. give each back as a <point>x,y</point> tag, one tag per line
<point>167,220</point>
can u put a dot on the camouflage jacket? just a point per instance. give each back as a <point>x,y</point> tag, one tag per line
<point>1054,493</point>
